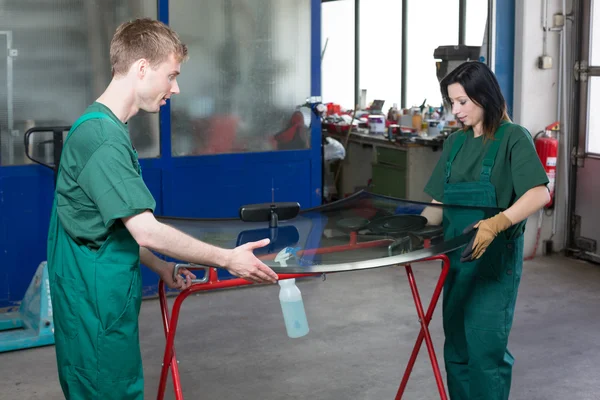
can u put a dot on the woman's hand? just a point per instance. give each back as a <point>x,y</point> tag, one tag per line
<point>487,230</point>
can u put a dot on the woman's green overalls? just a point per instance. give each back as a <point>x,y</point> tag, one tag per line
<point>96,298</point>
<point>479,296</point>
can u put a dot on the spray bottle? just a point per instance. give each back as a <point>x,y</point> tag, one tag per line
<point>290,298</point>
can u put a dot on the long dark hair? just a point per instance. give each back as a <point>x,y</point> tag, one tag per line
<point>482,87</point>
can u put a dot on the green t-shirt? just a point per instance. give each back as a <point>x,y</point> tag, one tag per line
<point>100,181</point>
<point>517,167</point>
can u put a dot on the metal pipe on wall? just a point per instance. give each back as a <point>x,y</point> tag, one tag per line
<point>9,98</point>
<point>491,34</point>
<point>562,112</point>
<point>560,82</point>
<point>545,26</point>
<point>404,54</point>
<point>356,53</point>
<point>565,132</point>
<point>462,21</point>
<point>575,46</point>
<point>559,102</point>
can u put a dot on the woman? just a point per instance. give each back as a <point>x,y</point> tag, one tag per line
<point>491,162</point>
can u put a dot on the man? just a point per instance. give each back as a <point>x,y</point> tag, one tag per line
<point>102,225</point>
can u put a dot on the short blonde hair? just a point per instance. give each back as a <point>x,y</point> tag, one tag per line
<point>144,38</point>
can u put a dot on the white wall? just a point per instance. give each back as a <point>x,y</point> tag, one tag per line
<point>536,101</point>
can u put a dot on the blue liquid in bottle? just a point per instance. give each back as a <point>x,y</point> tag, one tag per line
<point>294,316</point>
<point>290,298</point>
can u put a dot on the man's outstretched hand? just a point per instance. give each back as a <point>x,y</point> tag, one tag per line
<point>243,263</point>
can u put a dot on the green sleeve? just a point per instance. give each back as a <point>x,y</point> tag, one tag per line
<point>526,168</point>
<point>111,181</point>
<point>435,185</point>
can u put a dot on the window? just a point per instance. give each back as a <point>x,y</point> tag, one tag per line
<point>249,70</point>
<point>595,35</point>
<point>337,47</point>
<point>428,30</point>
<point>381,51</point>
<point>58,64</point>
<point>593,125</point>
<point>431,24</point>
<point>380,66</point>
<point>477,12</point>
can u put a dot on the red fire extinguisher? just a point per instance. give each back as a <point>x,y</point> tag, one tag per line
<point>546,146</point>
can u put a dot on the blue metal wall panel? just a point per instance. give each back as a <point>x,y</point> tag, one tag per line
<point>165,111</point>
<point>316,175</point>
<point>505,49</point>
<point>206,190</point>
<point>163,11</point>
<point>152,174</point>
<point>26,195</point>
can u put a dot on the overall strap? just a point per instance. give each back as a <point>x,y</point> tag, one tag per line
<point>462,136</point>
<point>87,117</point>
<point>490,157</point>
<point>81,120</point>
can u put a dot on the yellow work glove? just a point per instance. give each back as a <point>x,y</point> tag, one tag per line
<point>487,230</point>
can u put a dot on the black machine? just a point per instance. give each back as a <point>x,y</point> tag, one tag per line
<point>451,57</point>
<point>56,141</point>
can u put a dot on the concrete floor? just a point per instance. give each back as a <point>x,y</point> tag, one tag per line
<point>232,344</point>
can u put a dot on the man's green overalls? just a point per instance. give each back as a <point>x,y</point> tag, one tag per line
<point>479,296</point>
<point>96,299</point>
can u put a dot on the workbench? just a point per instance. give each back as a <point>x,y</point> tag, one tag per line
<point>374,163</point>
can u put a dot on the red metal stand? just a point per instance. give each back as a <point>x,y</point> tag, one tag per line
<point>424,332</point>
<point>170,322</point>
<point>212,282</point>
